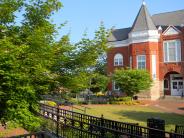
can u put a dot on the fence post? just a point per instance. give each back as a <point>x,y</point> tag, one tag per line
<point>157,128</point>
<point>57,129</point>
<point>102,125</point>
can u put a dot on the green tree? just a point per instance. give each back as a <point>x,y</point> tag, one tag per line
<point>99,83</point>
<point>26,58</point>
<point>76,64</point>
<point>132,81</point>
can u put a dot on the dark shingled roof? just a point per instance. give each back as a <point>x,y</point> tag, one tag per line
<point>119,34</point>
<point>175,18</point>
<point>143,21</point>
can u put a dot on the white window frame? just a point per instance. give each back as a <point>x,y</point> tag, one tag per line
<point>141,61</point>
<point>177,50</point>
<point>114,86</point>
<point>118,58</point>
<point>130,62</point>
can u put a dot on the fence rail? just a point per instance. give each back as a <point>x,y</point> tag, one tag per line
<point>71,124</point>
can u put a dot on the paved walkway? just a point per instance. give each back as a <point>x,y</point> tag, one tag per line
<point>167,106</point>
<point>11,132</point>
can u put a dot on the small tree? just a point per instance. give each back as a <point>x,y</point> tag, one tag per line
<point>99,83</point>
<point>132,81</point>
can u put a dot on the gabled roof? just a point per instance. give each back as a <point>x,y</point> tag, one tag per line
<point>175,18</point>
<point>143,20</point>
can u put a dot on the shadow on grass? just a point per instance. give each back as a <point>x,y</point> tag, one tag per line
<point>170,118</point>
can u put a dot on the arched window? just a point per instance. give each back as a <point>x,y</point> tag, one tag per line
<point>118,60</point>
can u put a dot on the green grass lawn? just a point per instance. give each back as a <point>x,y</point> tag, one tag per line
<point>135,114</point>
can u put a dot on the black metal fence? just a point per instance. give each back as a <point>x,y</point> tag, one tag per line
<point>70,124</point>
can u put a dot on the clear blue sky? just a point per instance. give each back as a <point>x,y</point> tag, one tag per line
<point>86,15</point>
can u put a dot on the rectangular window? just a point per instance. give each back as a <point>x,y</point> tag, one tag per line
<point>130,61</point>
<point>115,86</point>
<point>172,51</point>
<point>141,62</point>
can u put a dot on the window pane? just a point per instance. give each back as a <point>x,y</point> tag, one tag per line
<point>172,53</point>
<point>174,85</point>
<point>141,61</point>
<point>180,85</point>
<point>115,86</point>
<point>118,60</point>
<point>178,50</point>
<point>165,51</point>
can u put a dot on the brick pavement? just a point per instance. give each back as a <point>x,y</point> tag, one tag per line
<point>169,106</point>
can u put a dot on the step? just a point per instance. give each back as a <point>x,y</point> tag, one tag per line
<point>173,98</point>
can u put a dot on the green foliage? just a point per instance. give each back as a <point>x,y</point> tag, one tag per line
<point>124,99</point>
<point>26,58</point>
<point>51,103</point>
<point>132,81</point>
<point>76,64</point>
<point>99,83</point>
<point>33,64</point>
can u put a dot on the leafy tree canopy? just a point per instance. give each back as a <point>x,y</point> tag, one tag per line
<point>26,58</point>
<point>32,63</point>
<point>132,81</point>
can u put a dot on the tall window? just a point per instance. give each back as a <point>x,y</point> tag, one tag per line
<point>141,61</point>
<point>118,60</point>
<point>172,51</point>
<point>130,61</point>
<point>115,86</point>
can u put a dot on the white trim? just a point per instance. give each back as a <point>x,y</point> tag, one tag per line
<point>138,37</point>
<point>123,43</point>
<point>179,91</point>
<point>178,31</point>
<point>154,67</point>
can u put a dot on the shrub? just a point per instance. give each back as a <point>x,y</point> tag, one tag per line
<point>125,99</point>
<point>50,103</point>
<point>132,81</point>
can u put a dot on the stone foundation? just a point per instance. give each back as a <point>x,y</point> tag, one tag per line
<point>154,93</point>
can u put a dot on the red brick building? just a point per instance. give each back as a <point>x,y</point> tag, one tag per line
<point>155,43</point>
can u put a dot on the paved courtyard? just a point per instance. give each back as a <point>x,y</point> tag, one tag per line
<point>169,106</point>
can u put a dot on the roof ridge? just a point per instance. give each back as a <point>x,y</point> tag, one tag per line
<point>168,12</point>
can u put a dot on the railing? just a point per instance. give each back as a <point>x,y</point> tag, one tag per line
<point>70,124</point>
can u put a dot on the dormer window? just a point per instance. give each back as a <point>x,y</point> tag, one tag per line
<point>118,60</point>
<point>172,51</point>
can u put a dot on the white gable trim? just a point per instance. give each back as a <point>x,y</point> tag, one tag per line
<point>171,30</point>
